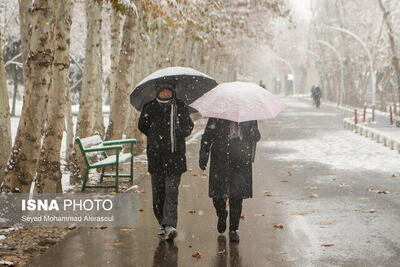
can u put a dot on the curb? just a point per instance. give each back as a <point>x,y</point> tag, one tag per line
<point>374,134</point>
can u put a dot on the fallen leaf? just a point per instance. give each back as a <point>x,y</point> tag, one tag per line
<point>71,228</point>
<point>186,185</point>
<point>290,260</point>
<point>284,181</point>
<point>314,195</point>
<point>269,258</point>
<point>300,213</point>
<point>141,210</point>
<point>113,193</point>
<point>327,245</point>
<point>242,217</point>
<point>190,246</point>
<point>222,252</point>
<point>127,229</point>
<point>259,214</point>
<point>141,191</point>
<point>290,174</point>
<point>278,202</point>
<point>324,223</point>
<point>204,176</point>
<point>344,185</point>
<point>265,191</point>
<point>383,192</point>
<point>311,187</point>
<point>99,227</point>
<point>113,244</point>
<point>192,211</point>
<point>368,211</point>
<point>268,195</point>
<point>363,198</point>
<point>278,225</point>
<point>196,255</point>
<point>195,174</point>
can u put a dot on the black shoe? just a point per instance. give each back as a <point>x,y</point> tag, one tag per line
<point>234,237</point>
<point>221,226</point>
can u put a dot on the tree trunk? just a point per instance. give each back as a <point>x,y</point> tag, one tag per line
<point>124,81</point>
<point>69,127</point>
<point>14,100</point>
<point>5,125</point>
<point>391,34</point>
<point>116,23</point>
<point>21,168</point>
<point>49,170</point>
<point>86,118</point>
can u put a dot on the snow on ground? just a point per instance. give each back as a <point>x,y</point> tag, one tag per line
<point>308,114</point>
<point>340,150</point>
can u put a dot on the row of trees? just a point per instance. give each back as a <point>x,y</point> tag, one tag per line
<point>209,35</point>
<point>377,25</point>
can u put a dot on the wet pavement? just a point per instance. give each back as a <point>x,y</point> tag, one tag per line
<point>328,215</point>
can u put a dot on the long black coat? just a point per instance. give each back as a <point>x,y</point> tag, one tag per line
<point>231,160</point>
<point>154,122</point>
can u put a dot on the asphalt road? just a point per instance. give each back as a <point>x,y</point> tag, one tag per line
<point>329,217</point>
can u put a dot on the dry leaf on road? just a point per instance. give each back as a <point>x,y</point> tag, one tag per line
<point>284,181</point>
<point>314,195</point>
<point>278,225</point>
<point>196,255</point>
<point>327,245</point>
<point>259,214</point>
<point>113,244</point>
<point>324,223</point>
<point>127,229</point>
<point>300,213</point>
<point>192,211</point>
<point>363,198</point>
<point>368,211</point>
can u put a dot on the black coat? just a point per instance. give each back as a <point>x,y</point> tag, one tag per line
<point>231,160</point>
<point>154,122</point>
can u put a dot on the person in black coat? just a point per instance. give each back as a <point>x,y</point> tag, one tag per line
<point>166,122</point>
<point>232,147</point>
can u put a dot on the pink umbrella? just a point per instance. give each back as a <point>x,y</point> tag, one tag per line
<point>239,102</point>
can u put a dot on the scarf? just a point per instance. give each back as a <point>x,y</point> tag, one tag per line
<point>165,104</point>
<point>235,131</point>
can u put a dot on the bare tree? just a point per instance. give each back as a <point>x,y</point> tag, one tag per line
<point>49,172</point>
<point>123,83</point>
<point>86,116</point>
<point>5,125</point>
<point>21,167</point>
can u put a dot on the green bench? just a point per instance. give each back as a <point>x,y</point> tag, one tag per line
<point>94,151</point>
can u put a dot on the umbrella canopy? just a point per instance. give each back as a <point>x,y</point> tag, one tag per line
<point>189,85</point>
<point>239,102</point>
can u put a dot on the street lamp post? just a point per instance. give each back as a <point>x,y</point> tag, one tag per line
<point>371,63</point>
<point>341,67</point>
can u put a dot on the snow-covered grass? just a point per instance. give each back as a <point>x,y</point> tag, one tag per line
<point>340,150</point>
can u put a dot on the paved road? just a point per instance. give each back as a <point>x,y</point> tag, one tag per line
<point>316,203</point>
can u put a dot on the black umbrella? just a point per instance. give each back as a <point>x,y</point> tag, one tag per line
<point>189,85</point>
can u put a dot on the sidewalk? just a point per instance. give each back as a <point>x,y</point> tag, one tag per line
<point>380,131</point>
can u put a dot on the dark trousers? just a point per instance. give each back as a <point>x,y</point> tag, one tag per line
<point>235,210</point>
<point>165,198</point>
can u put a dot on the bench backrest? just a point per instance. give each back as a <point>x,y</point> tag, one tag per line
<point>90,142</point>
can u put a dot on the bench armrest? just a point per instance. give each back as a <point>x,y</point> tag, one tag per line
<point>103,148</point>
<point>118,142</point>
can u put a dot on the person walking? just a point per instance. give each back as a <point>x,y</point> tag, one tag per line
<point>316,95</point>
<point>232,148</point>
<point>166,122</point>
